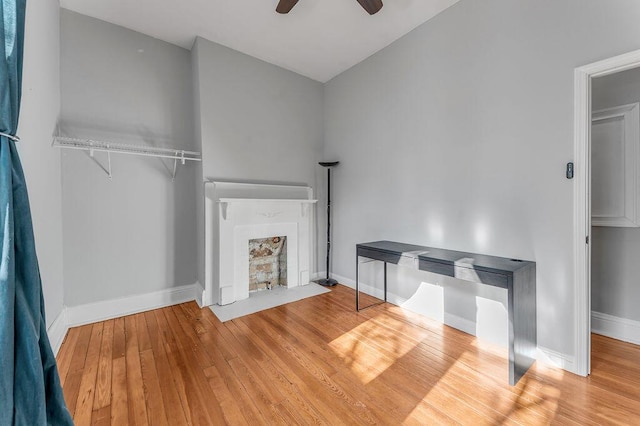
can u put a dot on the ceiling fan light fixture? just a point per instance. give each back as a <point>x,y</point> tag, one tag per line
<point>371,6</point>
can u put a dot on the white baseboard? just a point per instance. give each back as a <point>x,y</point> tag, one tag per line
<point>318,275</point>
<point>368,289</point>
<point>615,327</point>
<point>114,308</point>
<point>57,331</point>
<point>199,294</point>
<point>342,280</point>
<point>556,359</point>
<point>451,320</point>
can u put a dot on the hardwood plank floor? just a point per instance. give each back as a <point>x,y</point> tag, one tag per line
<point>317,361</point>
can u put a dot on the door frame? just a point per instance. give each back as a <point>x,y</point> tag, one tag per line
<point>582,197</point>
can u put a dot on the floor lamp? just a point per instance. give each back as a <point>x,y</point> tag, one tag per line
<point>328,281</point>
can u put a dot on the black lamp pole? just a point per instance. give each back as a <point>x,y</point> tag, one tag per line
<point>328,281</point>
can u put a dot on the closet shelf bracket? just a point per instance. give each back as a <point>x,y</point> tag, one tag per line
<point>106,169</point>
<point>91,146</point>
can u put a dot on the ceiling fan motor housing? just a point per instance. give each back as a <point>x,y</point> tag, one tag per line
<point>371,6</point>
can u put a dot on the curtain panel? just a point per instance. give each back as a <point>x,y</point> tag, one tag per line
<point>30,391</point>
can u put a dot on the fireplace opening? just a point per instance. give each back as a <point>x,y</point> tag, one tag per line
<point>267,263</point>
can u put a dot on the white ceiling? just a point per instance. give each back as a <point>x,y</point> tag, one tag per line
<point>318,38</point>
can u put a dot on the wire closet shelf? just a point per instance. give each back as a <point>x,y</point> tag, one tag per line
<point>92,146</point>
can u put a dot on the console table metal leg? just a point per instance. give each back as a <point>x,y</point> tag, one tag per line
<point>357,293</point>
<point>358,283</point>
<point>385,281</point>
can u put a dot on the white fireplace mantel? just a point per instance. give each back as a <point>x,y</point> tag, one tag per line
<point>236,213</point>
<point>242,203</point>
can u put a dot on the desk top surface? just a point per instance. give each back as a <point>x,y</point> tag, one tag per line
<point>450,257</point>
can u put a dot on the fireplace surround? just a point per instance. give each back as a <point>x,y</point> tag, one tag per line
<point>236,213</point>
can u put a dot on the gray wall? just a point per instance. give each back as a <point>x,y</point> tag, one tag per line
<point>615,252</point>
<point>457,136</point>
<point>256,122</point>
<point>41,163</point>
<point>136,233</point>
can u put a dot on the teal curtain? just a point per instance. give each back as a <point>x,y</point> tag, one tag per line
<point>30,392</point>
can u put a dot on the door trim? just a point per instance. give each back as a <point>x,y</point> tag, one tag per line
<point>582,197</point>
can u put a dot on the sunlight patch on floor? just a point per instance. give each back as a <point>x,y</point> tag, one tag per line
<point>369,349</point>
<point>530,402</point>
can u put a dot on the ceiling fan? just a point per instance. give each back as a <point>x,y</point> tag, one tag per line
<point>371,6</point>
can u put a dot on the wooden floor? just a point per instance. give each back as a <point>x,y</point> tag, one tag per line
<point>318,361</point>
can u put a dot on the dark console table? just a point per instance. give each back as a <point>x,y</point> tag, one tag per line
<point>518,277</point>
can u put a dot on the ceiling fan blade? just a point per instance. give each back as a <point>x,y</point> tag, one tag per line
<point>285,6</point>
<point>371,6</point>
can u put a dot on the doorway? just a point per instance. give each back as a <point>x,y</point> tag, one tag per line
<point>583,194</point>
